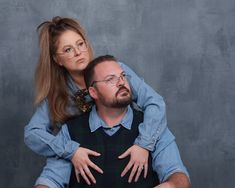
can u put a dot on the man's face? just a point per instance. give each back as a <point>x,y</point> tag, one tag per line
<point>112,88</point>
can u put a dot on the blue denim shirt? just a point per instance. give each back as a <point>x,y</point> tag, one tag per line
<point>165,156</point>
<point>39,138</point>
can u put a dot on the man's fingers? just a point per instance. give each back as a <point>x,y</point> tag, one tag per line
<point>145,170</point>
<point>94,166</point>
<point>127,168</point>
<point>83,174</point>
<point>89,174</point>
<point>125,154</point>
<point>134,169</point>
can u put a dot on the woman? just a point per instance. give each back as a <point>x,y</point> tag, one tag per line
<point>64,53</point>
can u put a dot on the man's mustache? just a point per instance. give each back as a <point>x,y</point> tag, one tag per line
<point>122,88</point>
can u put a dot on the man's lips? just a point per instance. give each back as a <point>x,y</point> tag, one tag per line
<point>122,90</point>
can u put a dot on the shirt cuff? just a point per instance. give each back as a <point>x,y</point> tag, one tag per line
<point>47,182</point>
<point>67,151</point>
<point>145,143</point>
<point>70,149</point>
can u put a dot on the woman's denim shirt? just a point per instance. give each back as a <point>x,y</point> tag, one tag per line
<point>38,135</point>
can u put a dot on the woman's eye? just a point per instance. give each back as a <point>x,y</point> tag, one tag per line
<point>68,50</point>
<point>81,44</point>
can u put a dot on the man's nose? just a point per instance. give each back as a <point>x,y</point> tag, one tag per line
<point>121,81</point>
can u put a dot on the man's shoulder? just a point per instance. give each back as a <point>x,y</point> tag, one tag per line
<point>78,118</point>
<point>136,109</point>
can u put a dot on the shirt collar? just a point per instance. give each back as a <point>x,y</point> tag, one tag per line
<point>72,85</point>
<point>96,122</point>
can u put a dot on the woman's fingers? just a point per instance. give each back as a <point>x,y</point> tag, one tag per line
<point>138,157</point>
<point>95,167</point>
<point>89,174</point>
<point>145,169</point>
<point>125,154</point>
<point>127,168</point>
<point>77,175</point>
<point>139,170</point>
<point>82,163</point>
<point>83,174</point>
<point>91,152</point>
<point>133,171</point>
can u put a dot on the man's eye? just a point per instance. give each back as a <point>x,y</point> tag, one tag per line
<point>110,79</point>
<point>124,75</point>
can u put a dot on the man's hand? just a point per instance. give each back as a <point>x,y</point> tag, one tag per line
<point>82,163</point>
<point>138,160</point>
<point>41,186</point>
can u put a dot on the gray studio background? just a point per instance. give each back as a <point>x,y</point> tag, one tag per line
<point>185,49</point>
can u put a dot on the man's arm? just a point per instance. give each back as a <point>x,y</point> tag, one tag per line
<point>166,161</point>
<point>41,186</point>
<point>176,180</point>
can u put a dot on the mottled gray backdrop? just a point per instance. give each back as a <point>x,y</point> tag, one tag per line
<point>185,49</point>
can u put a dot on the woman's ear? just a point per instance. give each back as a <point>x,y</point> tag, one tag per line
<point>92,92</point>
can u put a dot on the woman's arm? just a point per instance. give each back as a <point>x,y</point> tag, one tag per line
<point>57,167</point>
<point>154,123</point>
<point>56,173</point>
<point>167,163</point>
<point>39,138</point>
<point>153,106</point>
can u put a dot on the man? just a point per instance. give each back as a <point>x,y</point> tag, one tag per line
<point>112,126</point>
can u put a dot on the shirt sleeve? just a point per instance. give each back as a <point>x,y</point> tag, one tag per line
<point>166,158</point>
<point>39,138</point>
<point>56,173</point>
<point>153,106</point>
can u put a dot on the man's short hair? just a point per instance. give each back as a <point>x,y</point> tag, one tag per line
<point>89,71</point>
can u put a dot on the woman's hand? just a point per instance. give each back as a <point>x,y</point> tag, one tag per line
<point>82,163</point>
<point>138,160</point>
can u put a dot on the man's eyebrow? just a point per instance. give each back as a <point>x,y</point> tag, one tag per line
<point>109,75</point>
<point>114,74</point>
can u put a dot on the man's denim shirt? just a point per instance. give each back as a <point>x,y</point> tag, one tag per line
<point>165,156</point>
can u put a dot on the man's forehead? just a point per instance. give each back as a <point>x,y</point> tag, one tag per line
<point>108,68</point>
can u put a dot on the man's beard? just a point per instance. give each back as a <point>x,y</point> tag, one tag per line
<point>117,101</point>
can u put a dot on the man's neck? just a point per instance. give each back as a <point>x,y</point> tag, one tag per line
<point>111,116</point>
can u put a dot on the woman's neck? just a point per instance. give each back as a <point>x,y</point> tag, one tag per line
<point>79,80</point>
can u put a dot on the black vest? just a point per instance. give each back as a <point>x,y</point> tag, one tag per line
<point>110,148</point>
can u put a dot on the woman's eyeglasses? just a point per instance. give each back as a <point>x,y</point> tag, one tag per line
<point>70,51</point>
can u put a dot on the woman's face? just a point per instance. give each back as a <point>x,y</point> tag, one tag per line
<point>72,52</point>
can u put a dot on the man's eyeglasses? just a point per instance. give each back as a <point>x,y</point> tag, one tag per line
<point>69,51</point>
<point>112,79</point>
